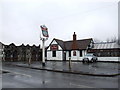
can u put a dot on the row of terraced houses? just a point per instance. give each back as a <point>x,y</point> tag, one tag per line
<point>19,53</point>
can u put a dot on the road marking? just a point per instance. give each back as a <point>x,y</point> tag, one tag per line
<point>81,86</point>
<point>18,73</point>
<point>22,74</point>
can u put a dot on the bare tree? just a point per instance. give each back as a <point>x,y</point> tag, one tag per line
<point>107,40</point>
<point>118,42</point>
<point>112,39</point>
<point>96,40</point>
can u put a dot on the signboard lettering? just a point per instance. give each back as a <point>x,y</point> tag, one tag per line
<point>54,47</point>
<point>44,31</point>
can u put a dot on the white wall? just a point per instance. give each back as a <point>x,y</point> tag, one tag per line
<point>108,58</point>
<point>77,57</point>
<point>83,54</point>
<point>59,55</point>
<point>67,55</point>
<point>54,42</point>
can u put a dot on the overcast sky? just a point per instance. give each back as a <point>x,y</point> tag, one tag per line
<point>20,20</point>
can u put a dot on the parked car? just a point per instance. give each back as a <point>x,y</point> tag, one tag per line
<point>89,58</point>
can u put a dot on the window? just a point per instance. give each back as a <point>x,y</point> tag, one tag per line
<point>54,53</point>
<point>69,53</point>
<point>74,53</point>
<point>89,46</point>
<point>80,53</point>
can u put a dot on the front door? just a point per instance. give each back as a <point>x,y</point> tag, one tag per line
<point>64,56</point>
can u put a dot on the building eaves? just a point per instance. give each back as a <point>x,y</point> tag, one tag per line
<point>109,45</point>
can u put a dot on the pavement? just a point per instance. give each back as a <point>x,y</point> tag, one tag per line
<point>92,69</point>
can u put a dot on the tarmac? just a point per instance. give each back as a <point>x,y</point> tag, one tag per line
<point>92,69</point>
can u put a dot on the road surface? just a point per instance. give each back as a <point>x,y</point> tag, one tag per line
<point>29,78</point>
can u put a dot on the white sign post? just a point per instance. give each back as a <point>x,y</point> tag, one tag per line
<point>43,51</point>
<point>44,37</point>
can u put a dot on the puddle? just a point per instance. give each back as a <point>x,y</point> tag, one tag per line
<point>4,72</point>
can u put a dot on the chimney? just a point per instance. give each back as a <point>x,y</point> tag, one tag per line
<point>74,43</point>
<point>74,37</point>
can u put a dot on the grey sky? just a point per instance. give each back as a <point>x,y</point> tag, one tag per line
<point>21,20</point>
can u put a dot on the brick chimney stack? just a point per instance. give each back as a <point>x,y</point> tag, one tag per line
<point>74,37</point>
<point>74,43</point>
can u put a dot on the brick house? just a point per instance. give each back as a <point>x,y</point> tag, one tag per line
<point>19,53</point>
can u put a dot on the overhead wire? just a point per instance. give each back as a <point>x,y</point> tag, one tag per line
<point>77,13</point>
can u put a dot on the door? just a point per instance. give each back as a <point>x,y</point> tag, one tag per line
<point>64,56</point>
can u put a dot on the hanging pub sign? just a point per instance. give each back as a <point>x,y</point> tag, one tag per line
<point>54,47</point>
<point>44,31</point>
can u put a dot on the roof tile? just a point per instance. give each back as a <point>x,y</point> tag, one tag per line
<point>80,44</point>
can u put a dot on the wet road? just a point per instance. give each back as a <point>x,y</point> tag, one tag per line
<point>93,68</point>
<point>28,78</point>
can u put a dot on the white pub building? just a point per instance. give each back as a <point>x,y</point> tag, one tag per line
<point>62,50</point>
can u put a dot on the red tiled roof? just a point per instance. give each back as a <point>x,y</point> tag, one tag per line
<point>70,45</point>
